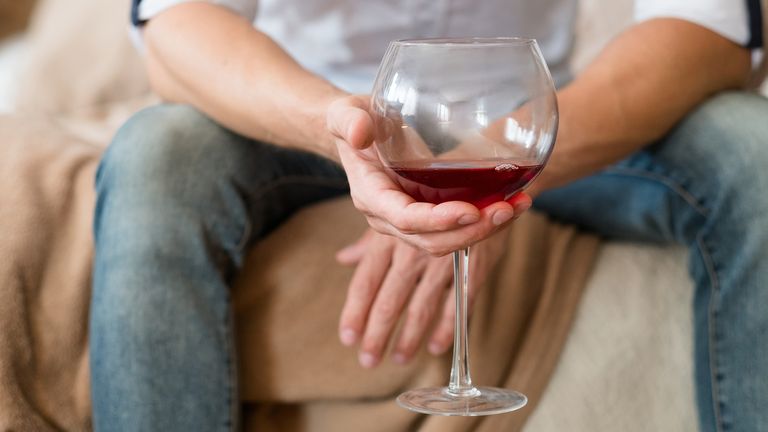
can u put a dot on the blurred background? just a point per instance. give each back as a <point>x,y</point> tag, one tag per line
<point>71,60</point>
<point>14,18</point>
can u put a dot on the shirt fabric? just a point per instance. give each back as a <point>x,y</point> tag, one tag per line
<point>343,40</point>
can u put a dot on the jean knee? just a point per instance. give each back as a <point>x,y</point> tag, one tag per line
<point>727,144</point>
<point>156,146</point>
<point>169,176</point>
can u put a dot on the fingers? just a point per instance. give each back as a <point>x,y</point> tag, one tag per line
<point>376,195</point>
<point>396,281</point>
<point>439,236</point>
<point>407,267</point>
<point>387,207</point>
<point>485,256</point>
<point>492,219</point>
<point>406,216</point>
<point>442,336</point>
<point>381,287</point>
<point>424,305</point>
<point>363,288</point>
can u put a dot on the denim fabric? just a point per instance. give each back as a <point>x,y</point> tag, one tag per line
<point>706,186</point>
<point>180,199</point>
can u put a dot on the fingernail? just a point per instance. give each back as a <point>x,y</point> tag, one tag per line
<point>348,337</point>
<point>366,360</point>
<point>400,358</point>
<point>435,348</point>
<point>468,219</point>
<point>521,207</point>
<point>502,216</point>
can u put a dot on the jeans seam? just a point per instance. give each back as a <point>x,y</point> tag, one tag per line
<point>712,315</point>
<point>689,198</point>
<point>259,194</point>
<point>666,181</point>
<point>231,424</point>
<point>246,235</point>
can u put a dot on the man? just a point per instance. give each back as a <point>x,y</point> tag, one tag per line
<point>263,123</point>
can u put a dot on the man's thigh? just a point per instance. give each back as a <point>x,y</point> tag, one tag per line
<point>712,164</point>
<point>171,157</point>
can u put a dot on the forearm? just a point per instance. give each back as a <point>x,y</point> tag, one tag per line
<point>642,84</point>
<point>206,56</point>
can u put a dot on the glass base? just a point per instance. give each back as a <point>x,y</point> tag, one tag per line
<point>479,401</point>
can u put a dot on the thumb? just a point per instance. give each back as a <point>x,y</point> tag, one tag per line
<point>349,120</point>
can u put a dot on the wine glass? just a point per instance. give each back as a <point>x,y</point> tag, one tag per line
<point>473,120</point>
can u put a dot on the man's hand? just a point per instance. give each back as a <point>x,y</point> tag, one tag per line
<point>437,228</point>
<point>401,267</point>
<point>394,279</point>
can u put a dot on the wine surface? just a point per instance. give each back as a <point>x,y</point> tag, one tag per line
<point>478,182</point>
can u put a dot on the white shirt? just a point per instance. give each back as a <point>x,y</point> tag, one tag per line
<point>343,40</point>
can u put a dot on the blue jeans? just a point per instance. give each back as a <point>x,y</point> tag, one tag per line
<point>180,200</point>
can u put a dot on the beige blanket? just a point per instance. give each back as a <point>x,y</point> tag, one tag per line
<point>14,16</point>
<point>295,375</point>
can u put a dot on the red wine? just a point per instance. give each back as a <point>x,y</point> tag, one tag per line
<point>478,182</point>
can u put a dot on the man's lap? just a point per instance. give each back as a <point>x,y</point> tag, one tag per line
<point>173,155</point>
<point>716,155</point>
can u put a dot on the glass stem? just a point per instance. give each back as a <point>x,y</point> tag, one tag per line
<point>461,382</point>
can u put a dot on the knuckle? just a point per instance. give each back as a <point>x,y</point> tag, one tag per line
<point>377,225</point>
<point>482,235</point>
<point>386,311</point>
<point>419,316</point>
<point>371,344</point>
<point>402,224</point>
<point>361,288</point>
<point>409,258</point>
<point>429,247</point>
<point>438,250</point>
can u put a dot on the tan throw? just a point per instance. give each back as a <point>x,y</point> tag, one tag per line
<point>295,375</point>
